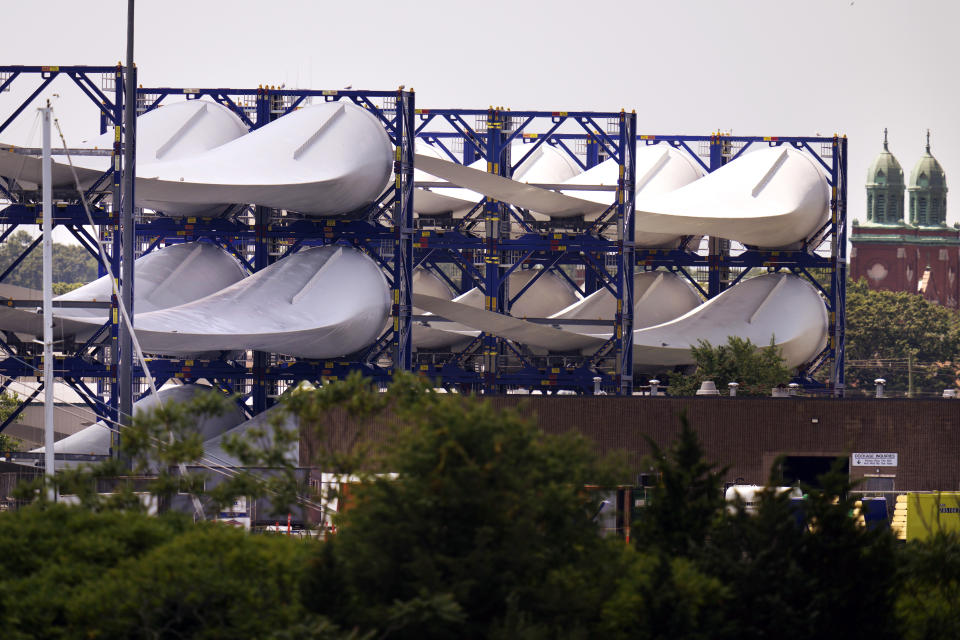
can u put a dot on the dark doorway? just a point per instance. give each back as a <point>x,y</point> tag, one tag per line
<point>807,469</point>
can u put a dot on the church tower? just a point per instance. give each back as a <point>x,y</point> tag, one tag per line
<point>921,256</point>
<point>928,192</point>
<point>885,188</point>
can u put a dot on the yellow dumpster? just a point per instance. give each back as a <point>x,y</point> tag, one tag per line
<point>926,513</point>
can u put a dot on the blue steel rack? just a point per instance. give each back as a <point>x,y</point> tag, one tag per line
<point>486,246</point>
<point>507,238</point>
<point>823,254</point>
<point>384,232</point>
<point>96,358</point>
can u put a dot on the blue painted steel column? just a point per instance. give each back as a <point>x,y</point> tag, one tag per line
<point>403,230</point>
<point>590,281</point>
<point>496,228</point>
<point>839,281</point>
<point>261,260</point>
<point>593,152</point>
<point>118,103</point>
<point>625,250</point>
<point>470,153</point>
<point>263,107</point>
<point>718,248</point>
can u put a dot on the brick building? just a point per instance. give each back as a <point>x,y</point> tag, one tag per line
<point>920,256</point>
<point>745,434</point>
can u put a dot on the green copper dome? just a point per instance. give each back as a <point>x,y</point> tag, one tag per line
<point>885,188</point>
<point>885,170</point>
<point>928,172</point>
<point>927,192</point>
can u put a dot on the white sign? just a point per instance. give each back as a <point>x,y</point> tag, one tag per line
<point>874,459</point>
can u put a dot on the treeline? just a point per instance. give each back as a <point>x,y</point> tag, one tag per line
<point>911,343</point>
<point>484,531</point>
<point>72,264</point>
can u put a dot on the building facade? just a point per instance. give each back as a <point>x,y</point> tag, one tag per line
<point>919,254</point>
<point>747,436</point>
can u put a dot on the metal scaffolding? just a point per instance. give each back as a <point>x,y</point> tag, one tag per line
<point>481,249</point>
<point>95,359</point>
<point>711,269</point>
<point>257,236</point>
<point>494,240</point>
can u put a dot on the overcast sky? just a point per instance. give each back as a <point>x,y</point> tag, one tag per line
<point>753,67</point>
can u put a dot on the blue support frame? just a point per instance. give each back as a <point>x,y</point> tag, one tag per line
<point>718,263</point>
<point>86,360</point>
<point>498,237</point>
<point>387,227</point>
<point>505,238</point>
<point>385,232</point>
<point>832,157</point>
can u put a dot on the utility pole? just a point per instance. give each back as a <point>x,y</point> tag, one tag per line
<point>128,235</point>
<point>48,362</point>
<point>909,374</point>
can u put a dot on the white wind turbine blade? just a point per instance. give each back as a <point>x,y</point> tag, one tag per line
<point>95,439</point>
<point>317,303</point>
<point>171,131</point>
<point>779,306</point>
<point>544,164</point>
<point>167,277</point>
<point>506,190</point>
<point>322,160</point>
<point>770,198</point>
<point>549,294</point>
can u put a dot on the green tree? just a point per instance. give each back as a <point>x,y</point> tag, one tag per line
<point>485,530</point>
<point>469,522</point>
<point>928,597</point>
<point>8,404</point>
<point>660,591</point>
<point>658,596</point>
<point>60,288</point>
<point>71,263</point>
<point>69,572</point>
<point>886,330</point>
<point>210,582</point>
<point>755,369</point>
<point>687,499</point>
<point>51,554</point>
<point>803,571</point>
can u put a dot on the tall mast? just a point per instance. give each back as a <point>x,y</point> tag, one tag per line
<point>48,362</point>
